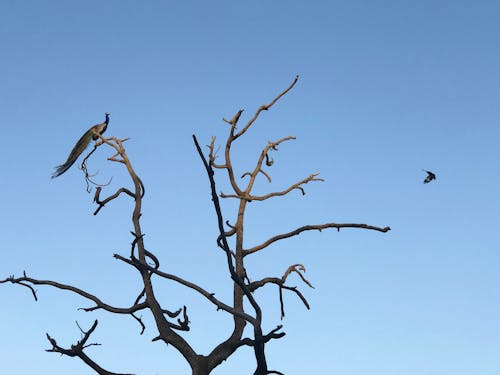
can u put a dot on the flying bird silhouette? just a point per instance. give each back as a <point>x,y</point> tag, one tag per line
<point>430,176</point>
<point>81,145</point>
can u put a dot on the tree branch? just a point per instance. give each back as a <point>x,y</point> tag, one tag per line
<point>299,269</point>
<point>88,177</point>
<point>274,334</point>
<point>318,227</point>
<point>210,296</point>
<point>110,198</point>
<point>99,304</point>
<point>76,350</point>
<point>228,347</point>
<point>296,186</point>
<point>265,107</point>
<point>264,156</point>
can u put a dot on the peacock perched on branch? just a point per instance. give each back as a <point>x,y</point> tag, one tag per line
<point>81,145</point>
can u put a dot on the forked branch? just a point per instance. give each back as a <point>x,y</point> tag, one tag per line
<point>210,296</point>
<point>296,186</point>
<point>102,203</point>
<point>264,107</point>
<point>299,269</point>
<point>264,155</point>
<point>76,350</point>
<point>88,177</point>
<point>99,304</point>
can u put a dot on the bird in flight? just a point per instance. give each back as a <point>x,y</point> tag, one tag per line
<point>81,145</point>
<point>430,176</point>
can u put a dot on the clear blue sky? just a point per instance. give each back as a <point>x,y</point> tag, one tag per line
<point>387,88</point>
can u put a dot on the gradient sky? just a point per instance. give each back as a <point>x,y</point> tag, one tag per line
<point>386,88</point>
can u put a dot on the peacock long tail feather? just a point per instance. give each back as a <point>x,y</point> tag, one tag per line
<point>80,146</point>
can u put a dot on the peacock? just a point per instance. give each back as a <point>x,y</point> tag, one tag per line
<point>81,145</point>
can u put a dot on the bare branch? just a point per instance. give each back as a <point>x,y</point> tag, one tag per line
<point>13,280</point>
<point>235,118</point>
<point>210,296</point>
<point>212,155</point>
<point>319,227</point>
<point>215,199</point>
<point>230,232</point>
<point>296,186</point>
<point>110,198</point>
<point>141,294</point>
<point>298,293</point>
<point>165,328</point>
<point>282,303</point>
<point>299,269</point>
<point>88,177</point>
<point>224,195</point>
<point>139,320</point>
<point>265,107</point>
<point>264,155</point>
<point>99,304</point>
<point>280,282</point>
<point>265,174</point>
<point>237,277</point>
<point>232,136</point>
<point>136,262</point>
<point>76,350</point>
<point>248,197</point>
<point>274,334</point>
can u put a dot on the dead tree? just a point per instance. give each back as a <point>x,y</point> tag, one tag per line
<point>169,325</point>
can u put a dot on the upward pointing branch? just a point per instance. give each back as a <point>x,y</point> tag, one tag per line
<point>238,280</point>
<point>265,107</point>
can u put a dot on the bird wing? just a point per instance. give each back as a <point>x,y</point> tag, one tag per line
<point>431,176</point>
<point>80,146</point>
<point>99,128</point>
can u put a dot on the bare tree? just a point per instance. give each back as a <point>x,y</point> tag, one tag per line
<point>171,324</point>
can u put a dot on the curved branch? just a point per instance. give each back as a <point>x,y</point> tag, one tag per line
<point>273,334</point>
<point>264,156</point>
<point>99,304</point>
<point>13,280</point>
<point>299,269</point>
<point>245,195</point>
<point>280,282</point>
<point>319,227</point>
<point>110,198</point>
<point>297,186</point>
<point>210,296</point>
<point>88,176</point>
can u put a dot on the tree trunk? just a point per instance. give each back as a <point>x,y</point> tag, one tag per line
<point>200,367</point>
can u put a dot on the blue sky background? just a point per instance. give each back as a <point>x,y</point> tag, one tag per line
<point>387,88</point>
